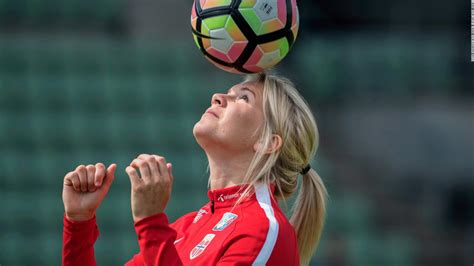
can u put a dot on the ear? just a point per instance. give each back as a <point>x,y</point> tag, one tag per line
<point>274,146</point>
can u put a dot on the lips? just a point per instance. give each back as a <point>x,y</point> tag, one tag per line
<point>212,113</point>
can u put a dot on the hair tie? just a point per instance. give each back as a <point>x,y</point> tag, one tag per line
<point>305,170</point>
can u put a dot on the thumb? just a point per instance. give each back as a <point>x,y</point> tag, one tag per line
<point>110,176</point>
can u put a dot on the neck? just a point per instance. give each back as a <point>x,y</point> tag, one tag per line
<point>227,171</point>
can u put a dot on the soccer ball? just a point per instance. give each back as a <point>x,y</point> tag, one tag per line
<point>244,36</point>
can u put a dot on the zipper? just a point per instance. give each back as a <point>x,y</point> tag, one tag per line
<point>212,205</point>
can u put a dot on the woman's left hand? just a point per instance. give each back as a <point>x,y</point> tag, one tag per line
<point>150,192</point>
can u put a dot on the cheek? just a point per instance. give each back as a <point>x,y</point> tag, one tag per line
<point>244,125</point>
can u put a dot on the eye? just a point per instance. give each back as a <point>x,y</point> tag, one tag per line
<point>242,96</point>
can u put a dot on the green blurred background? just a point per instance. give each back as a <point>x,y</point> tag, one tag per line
<point>390,84</point>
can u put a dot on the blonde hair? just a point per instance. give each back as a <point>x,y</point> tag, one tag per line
<point>288,115</point>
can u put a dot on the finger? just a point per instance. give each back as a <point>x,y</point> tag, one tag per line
<point>67,179</point>
<point>71,179</point>
<point>75,182</point>
<point>154,168</point>
<point>152,164</point>
<point>144,169</point>
<point>170,171</point>
<point>99,174</point>
<point>143,156</point>
<point>74,179</point>
<point>90,178</point>
<point>134,177</point>
<point>162,164</point>
<point>110,176</point>
<point>82,173</point>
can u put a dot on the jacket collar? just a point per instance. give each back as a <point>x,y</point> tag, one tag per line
<point>227,197</point>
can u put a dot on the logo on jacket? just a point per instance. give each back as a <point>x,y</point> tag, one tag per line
<point>221,198</point>
<point>177,240</point>
<point>226,219</point>
<point>200,213</point>
<point>199,248</point>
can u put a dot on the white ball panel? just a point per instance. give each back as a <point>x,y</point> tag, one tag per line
<point>269,59</point>
<point>266,9</point>
<point>224,41</point>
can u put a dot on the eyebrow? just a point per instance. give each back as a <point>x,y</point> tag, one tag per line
<point>245,89</point>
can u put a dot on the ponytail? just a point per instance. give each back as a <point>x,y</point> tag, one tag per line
<point>288,114</point>
<point>309,211</point>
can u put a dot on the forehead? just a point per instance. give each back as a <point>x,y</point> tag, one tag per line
<point>252,86</point>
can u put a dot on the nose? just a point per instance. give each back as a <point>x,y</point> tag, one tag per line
<point>219,99</point>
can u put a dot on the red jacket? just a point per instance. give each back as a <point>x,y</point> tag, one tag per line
<point>255,232</point>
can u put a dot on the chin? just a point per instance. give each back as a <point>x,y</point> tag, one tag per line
<point>205,135</point>
<point>200,131</point>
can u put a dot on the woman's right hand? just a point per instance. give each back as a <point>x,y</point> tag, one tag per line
<point>85,188</point>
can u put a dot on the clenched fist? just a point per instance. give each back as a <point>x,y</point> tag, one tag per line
<point>150,192</point>
<point>85,188</point>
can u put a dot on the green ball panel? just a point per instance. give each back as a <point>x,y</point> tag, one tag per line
<point>252,19</point>
<point>204,29</point>
<point>284,47</point>
<point>218,22</point>
<point>196,41</point>
<point>247,3</point>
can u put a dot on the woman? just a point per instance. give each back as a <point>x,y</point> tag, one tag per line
<point>258,137</point>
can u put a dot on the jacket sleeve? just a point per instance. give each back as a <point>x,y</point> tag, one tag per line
<point>78,242</point>
<point>156,241</point>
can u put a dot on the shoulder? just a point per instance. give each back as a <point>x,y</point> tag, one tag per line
<point>262,217</point>
<point>187,216</point>
<point>267,222</point>
<point>263,234</point>
<point>183,221</point>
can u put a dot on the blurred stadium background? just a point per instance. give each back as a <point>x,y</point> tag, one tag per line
<point>103,81</point>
